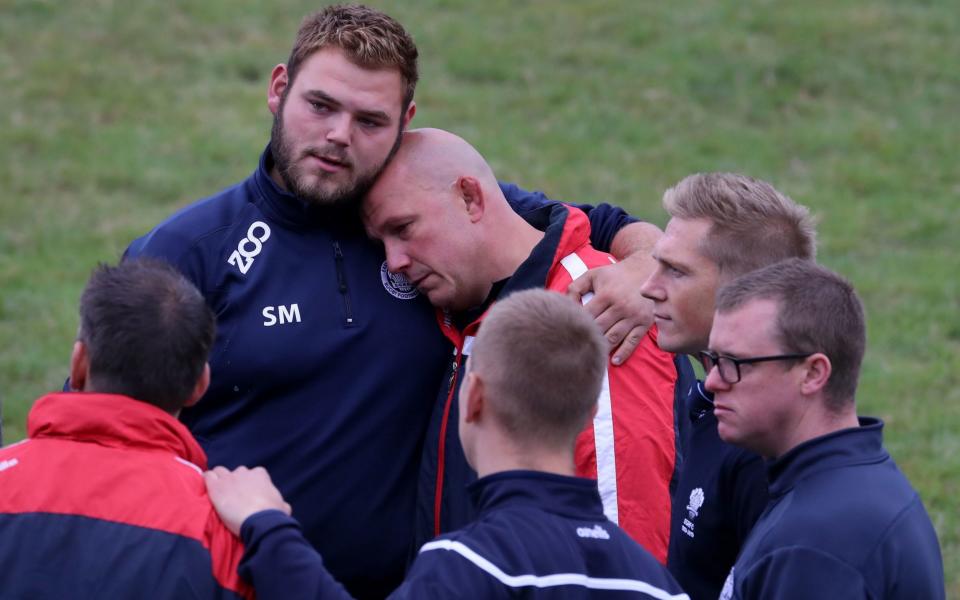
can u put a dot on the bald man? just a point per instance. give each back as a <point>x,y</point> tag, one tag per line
<point>448,229</point>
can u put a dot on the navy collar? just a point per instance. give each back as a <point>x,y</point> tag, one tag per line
<point>283,206</point>
<point>532,273</point>
<point>843,448</point>
<point>699,401</point>
<point>559,494</point>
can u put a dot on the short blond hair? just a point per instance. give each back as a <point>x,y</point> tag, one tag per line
<point>753,224</point>
<point>368,37</point>
<point>542,359</point>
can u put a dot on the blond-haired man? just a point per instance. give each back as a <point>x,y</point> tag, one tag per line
<point>721,225</point>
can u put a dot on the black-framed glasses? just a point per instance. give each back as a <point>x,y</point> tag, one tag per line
<point>729,367</point>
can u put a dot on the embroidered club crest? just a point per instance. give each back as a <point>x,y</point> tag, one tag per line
<point>696,501</point>
<point>397,284</point>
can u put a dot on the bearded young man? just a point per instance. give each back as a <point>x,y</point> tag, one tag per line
<point>326,364</point>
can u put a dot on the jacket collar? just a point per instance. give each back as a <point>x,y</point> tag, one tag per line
<point>114,421</point>
<point>570,496</point>
<point>843,448</point>
<point>565,229</point>
<point>699,401</point>
<point>284,207</point>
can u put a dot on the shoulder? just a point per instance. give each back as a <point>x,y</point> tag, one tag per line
<point>794,572</point>
<point>196,223</point>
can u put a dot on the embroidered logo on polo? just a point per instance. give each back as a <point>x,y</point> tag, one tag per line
<point>693,509</point>
<point>396,284</point>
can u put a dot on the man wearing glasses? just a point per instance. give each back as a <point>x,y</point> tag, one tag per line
<point>842,520</point>
<point>722,225</point>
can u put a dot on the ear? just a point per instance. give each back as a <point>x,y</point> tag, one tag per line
<point>408,116</point>
<point>201,388</point>
<point>79,367</point>
<point>278,85</point>
<point>472,194</point>
<point>815,374</point>
<point>476,402</point>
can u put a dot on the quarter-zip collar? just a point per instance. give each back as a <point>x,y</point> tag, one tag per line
<point>846,447</point>
<point>293,212</point>
<point>574,497</point>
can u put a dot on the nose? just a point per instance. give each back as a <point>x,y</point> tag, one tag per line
<point>713,382</point>
<point>651,288</point>
<point>397,259</point>
<point>339,132</point>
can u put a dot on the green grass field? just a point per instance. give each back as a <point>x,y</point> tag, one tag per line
<point>114,114</point>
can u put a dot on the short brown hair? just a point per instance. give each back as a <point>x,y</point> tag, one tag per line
<point>818,311</point>
<point>369,38</point>
<point>147,330</point>
<point>542,359</point>
<point>753,224</point>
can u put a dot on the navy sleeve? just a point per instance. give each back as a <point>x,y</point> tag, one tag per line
<point>750,495</point>
<point>798,574</point>
<point>280,563</point>
<point>605,219</point>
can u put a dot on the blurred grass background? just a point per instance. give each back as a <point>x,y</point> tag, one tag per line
<point>113,114</point>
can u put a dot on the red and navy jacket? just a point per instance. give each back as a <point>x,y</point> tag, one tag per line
<point>106,499</point>
<point>630,448</point>
<point>537,535</point>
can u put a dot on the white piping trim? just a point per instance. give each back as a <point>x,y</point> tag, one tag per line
<point>576,267</point>
<point>606,455</point>
<point>602,422</point>
<point>554,580</point>
<point>189,464</point>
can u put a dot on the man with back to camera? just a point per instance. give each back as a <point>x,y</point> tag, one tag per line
<point>540,533</point>
<point>326,364</point>
<point>721,225</point>
<point>446,226</point>
<point>843,522</point>
<point>105,498</point>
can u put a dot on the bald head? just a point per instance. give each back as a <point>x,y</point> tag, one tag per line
<point>435,158</point>
<point>444,221</point>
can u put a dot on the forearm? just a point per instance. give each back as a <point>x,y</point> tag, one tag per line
<point>280,563</point>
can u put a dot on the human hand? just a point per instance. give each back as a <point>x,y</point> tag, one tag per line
<point>617,306</point>
<point>242,492</point>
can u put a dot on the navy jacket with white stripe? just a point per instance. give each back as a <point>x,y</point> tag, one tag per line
<point>538,535</point>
